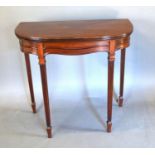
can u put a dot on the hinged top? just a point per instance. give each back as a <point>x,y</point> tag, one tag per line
<point>70,30</point>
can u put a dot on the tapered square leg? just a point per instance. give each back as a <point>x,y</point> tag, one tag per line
<point>122,68</point>
<point>111,58</point>
<point>109,126</point>
<point>29,75</point>
<point>49,132</point>
<point>46,99</point>
<point>42,64</point>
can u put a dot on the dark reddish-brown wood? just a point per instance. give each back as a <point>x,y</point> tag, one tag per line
<point>75,38</point>
<point>111,59</point>
<point>29,75</point>
<point>46,98</point>
<point>42,63</point>
<point>81,29</point>
<point>122,67</point>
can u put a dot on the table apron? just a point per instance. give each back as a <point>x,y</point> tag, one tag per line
<point>72,47</point>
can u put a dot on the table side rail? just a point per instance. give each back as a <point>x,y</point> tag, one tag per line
<point>72,47</point>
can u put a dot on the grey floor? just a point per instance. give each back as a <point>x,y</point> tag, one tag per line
<point>80,124</point>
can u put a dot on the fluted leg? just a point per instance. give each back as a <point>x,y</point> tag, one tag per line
<point>29,75</point>
<point>111,58</point>
<point>122,68</point>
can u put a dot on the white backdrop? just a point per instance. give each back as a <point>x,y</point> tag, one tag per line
<point>76,77</point>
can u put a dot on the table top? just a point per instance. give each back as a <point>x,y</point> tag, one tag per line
<point>74,30</point>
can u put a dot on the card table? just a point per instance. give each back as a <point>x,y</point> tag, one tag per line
<point>75,37</point>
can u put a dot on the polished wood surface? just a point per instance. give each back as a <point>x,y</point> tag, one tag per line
<point>111,58</point>
<point>42,63</point>
<point>81,29</point>
<point>29,75</point>
<point>75,38</point>
<point>75,47</point>
<point>122,69</point>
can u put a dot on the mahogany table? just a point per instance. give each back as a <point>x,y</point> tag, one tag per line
<point>74,38</point>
